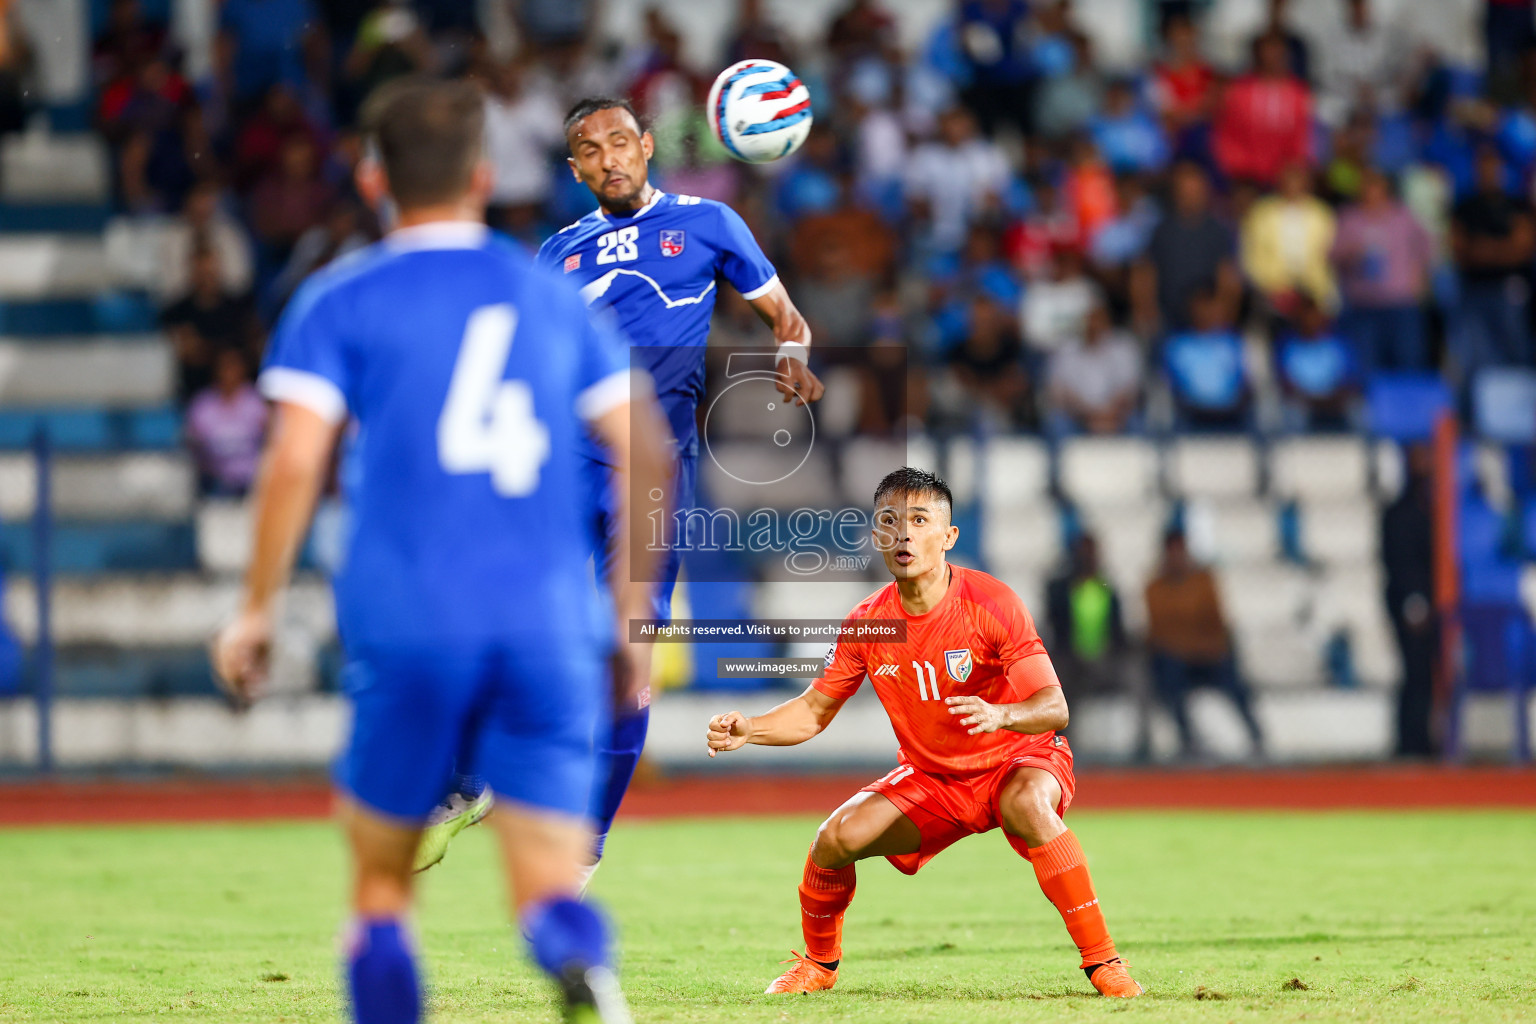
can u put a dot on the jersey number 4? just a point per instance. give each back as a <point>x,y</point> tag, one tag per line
<point>619,246</point>
<point>487,424</point>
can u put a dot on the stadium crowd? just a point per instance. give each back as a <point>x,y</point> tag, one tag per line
<point>1056,248</point>
<point>994,230</point>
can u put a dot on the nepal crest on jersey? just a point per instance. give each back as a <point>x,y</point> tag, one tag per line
<point>959,664</point>
<point>672,241</point>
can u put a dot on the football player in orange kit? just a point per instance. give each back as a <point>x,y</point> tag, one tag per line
<point>975,704</point>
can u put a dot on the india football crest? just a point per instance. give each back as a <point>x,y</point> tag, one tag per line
<point>672,242</point>
<point>959,664</point>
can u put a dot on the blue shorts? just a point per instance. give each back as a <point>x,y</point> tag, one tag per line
<point>600,480</point>
<point>524,717</point>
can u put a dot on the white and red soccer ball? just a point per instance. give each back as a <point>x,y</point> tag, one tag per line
<point>759,110</point>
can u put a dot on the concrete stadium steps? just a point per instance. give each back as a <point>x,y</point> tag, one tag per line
<point>126,371</point>
<point>1108,471</point>
<point>1319,468</point>
<point>1211,468</point>
<point>1233,531</point>
<point>45,167</point>
<point>159,486</point>
<point>305,731</point>
<point>49,266</point>
<point>1024,538</point>
<point>164,610</point>
<point>161,673</point>
<point>189,731</point>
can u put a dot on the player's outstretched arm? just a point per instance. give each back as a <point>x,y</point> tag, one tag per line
<point>293,469</point>
<point>792,722</point>
<point>1043,711</point>
<point>778,311</point>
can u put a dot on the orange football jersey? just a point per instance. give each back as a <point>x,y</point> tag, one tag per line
<point>978,641</point>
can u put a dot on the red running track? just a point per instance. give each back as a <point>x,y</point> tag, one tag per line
<point>56,802</point>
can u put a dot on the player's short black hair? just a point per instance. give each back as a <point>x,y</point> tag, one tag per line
<point>428,135</point>
<point>585,108</point>
<point>911,482</point>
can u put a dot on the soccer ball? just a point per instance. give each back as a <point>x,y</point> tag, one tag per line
<point>759,111</point>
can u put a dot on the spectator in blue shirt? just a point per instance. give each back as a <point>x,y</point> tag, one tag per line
<point>1317,370</point>
<point>262,42</point>
<point>979,266</point>
<point>995,61</point>
<point>1130,139</point>
<point>1205,367</point>
<point>811,185</point>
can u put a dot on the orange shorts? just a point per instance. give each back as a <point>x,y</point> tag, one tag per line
<point>947,808</point>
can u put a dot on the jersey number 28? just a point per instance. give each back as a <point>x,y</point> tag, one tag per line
<point>619,246</point>
<point>487,424</point>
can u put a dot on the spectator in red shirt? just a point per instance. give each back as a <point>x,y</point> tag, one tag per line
<point>290,201</point>
<point>1264,121</point>
<point>152,122</point>
<point>1185,85</point>
<point>258,150</point>
<point>1029,243</point>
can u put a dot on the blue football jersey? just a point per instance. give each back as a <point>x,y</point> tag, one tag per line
<point>469,373</point>
<point>656,270</point>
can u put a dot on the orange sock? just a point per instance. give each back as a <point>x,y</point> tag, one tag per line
<point>824,896</point>
<point>1063,877</point>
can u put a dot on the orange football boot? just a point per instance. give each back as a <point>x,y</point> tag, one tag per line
<point>805,976</point>
<point>1112,979</point>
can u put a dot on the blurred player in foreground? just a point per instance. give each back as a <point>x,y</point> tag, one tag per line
<point>473,629</point>
<point>986,754</point>
<point>652,259</point>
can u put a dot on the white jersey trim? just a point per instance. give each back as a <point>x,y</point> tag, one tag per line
<point>612,391</point>
<point>438,234</point>
<point>762,289</point>
<point>312,391</point>
<point>656,197</point>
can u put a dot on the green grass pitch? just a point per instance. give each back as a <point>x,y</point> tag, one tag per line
<point>1380,916</point>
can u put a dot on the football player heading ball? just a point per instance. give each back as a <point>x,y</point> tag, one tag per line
<point>975,704</point>
<point>652,259</point>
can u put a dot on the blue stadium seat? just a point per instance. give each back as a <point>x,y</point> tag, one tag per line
<point>105,547</point>
<point>93,429</point>
<point>726,600</point>
<point>154,10</point>
<point>1404,406</point>
<point>71,117</point>
<point>110,312</point>
<point>54,218</point>
<point>1481,530</point>
<point>1499,656</point>
<point>1504,404</point>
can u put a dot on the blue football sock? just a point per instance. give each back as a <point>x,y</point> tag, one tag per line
<point>615,768</point>
<point>562,932</point>
<point>468,786</point>
<point>381,973</point>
